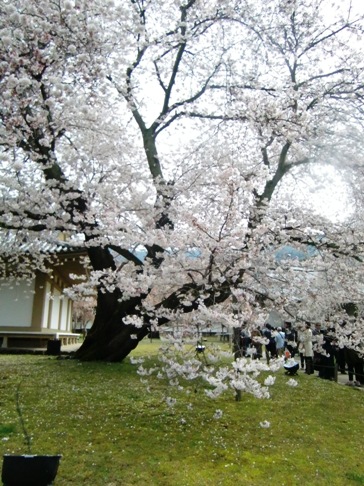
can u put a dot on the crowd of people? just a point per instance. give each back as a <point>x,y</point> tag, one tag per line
<point>308,347</point>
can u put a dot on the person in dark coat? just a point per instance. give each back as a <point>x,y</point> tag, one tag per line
<point>290,339</point>
<point>270,348</point>
<point>340,360</point>
<point>327,361</point>
<point>355,367</point>
<point>317,339</point>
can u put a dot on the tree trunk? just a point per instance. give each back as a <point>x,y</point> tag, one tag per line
<point>109,338</point>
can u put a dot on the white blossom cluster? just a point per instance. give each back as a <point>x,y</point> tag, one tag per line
<point>224,374</point>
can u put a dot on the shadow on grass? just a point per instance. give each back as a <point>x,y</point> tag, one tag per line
<point>6,429</point>
<point>357,478</point>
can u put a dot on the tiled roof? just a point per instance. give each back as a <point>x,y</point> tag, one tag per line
<point>9,245</point>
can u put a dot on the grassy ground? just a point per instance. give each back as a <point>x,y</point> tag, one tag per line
<point>111,432</point>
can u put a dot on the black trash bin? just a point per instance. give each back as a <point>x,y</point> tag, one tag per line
<point>54,347</point>
<point>29,470</point>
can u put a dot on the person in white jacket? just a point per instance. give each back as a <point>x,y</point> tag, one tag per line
<point>301,347</point>
<point>308,348</point>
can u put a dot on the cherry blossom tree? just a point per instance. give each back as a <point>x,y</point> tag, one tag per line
<point>83,314</point>
<point>161,137</point>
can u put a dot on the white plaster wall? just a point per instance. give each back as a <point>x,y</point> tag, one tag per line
<point>69,315</point>
<point>46,306</point>
<point>64,314</point>
<point>54,321</point>
<point>16,303</point>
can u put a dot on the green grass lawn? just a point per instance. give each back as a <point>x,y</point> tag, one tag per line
<point>111,431</point>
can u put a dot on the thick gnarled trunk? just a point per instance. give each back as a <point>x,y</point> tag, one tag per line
<point>110,339</point>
